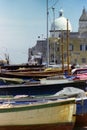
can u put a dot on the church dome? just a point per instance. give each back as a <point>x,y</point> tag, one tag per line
<point>60,23</point>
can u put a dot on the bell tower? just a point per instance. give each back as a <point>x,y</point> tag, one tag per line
<point>83,22</point>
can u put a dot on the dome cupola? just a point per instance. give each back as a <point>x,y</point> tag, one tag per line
<point>60,23</point>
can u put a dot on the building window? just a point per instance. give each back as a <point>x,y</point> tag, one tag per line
<point>83,60</point>
<point>86,47</point>
<point>70,47</point>
<point>83,47</point>
<point>75,61</point>
<point>58,49</point>
<point>52,56</point>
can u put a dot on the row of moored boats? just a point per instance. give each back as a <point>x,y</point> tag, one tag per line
<point>37,98</point>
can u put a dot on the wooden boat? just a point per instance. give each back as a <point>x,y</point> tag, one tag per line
<point>81,112</point>
<point>7,81</point>
<point>43,87</point>
<point>52,115</point>
<point>30,74</point>
<point>65,93</point>
<point>81,104</point>
<point>79,71</point>
<point>18,66</point>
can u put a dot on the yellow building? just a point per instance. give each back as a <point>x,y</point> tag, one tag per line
<point>62,39</point>
<point>63,42</point>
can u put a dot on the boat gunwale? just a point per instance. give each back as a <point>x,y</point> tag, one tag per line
<point>13,108</point>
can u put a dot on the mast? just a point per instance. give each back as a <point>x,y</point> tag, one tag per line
<point>62,51</point>
<point>47,35</point>
<point>54,33</point>
<point>67,48</point>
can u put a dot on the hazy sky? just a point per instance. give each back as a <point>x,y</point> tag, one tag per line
<point>22,21</point>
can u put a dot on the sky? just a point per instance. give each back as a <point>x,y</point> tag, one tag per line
<point>22,21</point>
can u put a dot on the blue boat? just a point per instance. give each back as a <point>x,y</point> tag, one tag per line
<point>81,112</point>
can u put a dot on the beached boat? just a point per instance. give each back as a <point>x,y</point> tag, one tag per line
<point>15,67</point>
<point>52,115</point>
<point>7,81</point>
<point>81,104</point>
<point>43,87</point>
<point>30,74</point>
<point>81,112</point>
<point>80,73</point>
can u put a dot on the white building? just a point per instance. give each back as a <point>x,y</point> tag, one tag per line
<point>60,24</point>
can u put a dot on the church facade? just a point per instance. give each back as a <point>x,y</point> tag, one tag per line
<point>60,35</point>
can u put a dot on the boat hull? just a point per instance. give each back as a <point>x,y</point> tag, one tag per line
<point>81,120</point>
<point>81,113</point>
<point>51,115</point>
<point>39,89</point>
<point>39,127</point>
<point>31,74</point>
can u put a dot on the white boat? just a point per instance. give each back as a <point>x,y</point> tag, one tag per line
<point>50,115</point>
